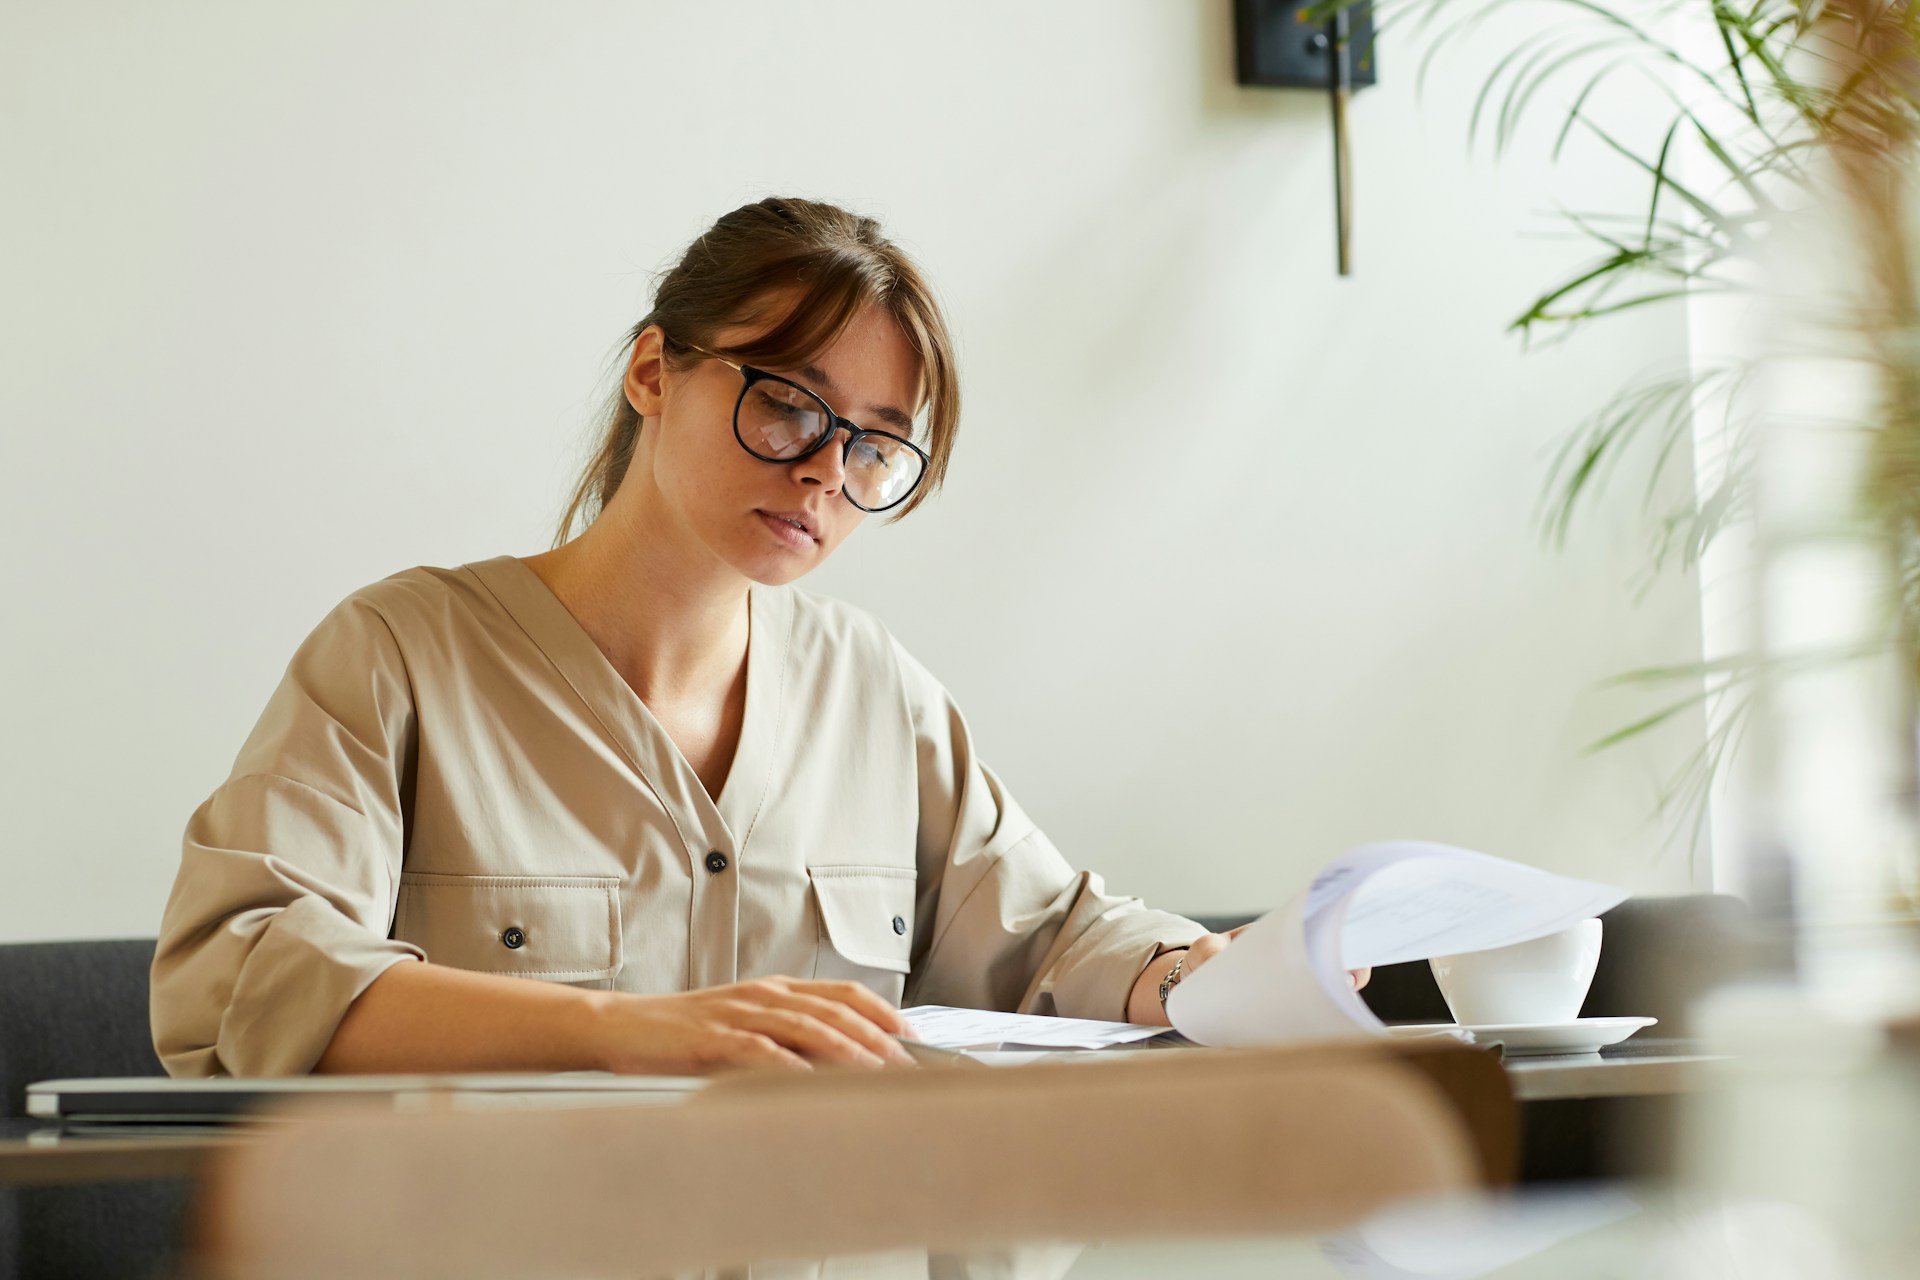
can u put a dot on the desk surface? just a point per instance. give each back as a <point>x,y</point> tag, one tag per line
<point>34,1152</point>
<point>1637,1068</point>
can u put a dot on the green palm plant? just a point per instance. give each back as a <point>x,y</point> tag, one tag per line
<point>1783,104</point>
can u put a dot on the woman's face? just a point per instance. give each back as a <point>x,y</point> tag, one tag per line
<point>769,521</point>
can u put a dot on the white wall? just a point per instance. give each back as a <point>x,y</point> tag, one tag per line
<point>1234,568</point>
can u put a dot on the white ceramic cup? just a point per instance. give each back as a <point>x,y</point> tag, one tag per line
<point>1542,981</point>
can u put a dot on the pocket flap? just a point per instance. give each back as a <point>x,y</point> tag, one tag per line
<point>867,913</point>
<point>556,928</point>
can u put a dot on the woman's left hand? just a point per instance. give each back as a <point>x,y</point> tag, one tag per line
<point>1143,1002</point>
<point>1208,945</point>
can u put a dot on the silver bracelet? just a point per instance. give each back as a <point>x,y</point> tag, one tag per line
<point>1172,979</point>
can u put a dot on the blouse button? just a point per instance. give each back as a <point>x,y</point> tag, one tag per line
<point>716,862</point>
<point>899,925</point>
<point>513,937</point>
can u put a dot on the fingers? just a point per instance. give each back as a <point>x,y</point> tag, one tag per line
<point>850,1024</point>
<point>1360,977</point>
<point>791,1022</point>
<point>803,1034</point>
<point>1204,948</point>
<point>750,1049</point>
<point>856,997</point>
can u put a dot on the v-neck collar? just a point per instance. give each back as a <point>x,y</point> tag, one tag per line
<point>620,710</point>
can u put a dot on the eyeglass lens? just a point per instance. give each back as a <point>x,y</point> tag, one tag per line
<point>779,422</point>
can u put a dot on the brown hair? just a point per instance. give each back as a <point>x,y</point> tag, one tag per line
<point>839,263</point>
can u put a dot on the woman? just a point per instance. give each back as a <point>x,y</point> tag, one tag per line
<point>724,821</point>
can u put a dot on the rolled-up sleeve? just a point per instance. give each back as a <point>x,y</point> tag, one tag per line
<point>280,914</point>
<point>1013,925</point>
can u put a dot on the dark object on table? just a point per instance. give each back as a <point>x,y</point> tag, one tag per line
<point>1659,955</point>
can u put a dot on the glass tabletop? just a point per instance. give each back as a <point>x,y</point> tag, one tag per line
<point>1595,1232</point>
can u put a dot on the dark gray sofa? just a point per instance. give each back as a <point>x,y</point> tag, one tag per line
<point>80,1009</point>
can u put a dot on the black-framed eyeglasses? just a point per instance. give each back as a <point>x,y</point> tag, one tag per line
<point>778,420</point>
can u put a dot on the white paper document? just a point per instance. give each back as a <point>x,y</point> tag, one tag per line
<point>949,1028</point>
<point>1285,977</point>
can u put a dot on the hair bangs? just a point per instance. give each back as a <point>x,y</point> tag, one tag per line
<point>809,305</point>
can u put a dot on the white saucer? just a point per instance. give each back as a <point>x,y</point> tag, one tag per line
<point>1583,1035</point>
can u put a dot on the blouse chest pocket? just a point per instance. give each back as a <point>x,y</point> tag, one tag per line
<point>553,928</point>
<point>866,926</point>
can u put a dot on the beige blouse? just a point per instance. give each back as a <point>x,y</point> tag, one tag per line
<point>452,771</point>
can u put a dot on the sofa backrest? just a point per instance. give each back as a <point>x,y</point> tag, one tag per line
<point>73,1009</point>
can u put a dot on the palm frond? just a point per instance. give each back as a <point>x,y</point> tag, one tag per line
<point>1732,225</point>
<point>1580,101</point>
<point>1787,84</point>
<point>1527,85</point>
<point>1664,405</point>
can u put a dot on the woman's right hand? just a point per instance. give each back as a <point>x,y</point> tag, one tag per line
<point>778,1022</point>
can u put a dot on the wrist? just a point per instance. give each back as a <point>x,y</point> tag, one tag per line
<point>1143,1002</point>
<point>1171,979</point>
<point>599,1046</point>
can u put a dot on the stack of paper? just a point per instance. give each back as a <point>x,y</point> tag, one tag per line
<point>949,1028</point>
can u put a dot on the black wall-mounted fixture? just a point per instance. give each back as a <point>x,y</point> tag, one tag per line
<point>1312,44</point>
